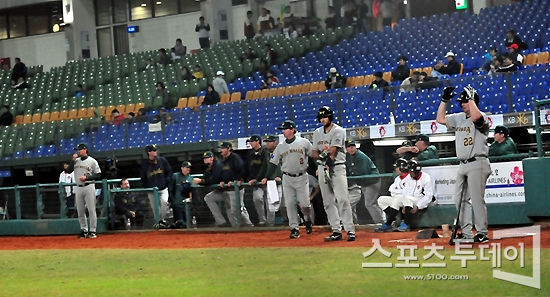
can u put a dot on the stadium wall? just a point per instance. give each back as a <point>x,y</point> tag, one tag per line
<point>48,50</point>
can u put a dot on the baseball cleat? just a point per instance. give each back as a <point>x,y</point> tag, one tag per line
<point>92,235</point>
<point>294,233</point>
<point>83,234</point>
<point>403,227</point>
<point>384,228</point>
<point>351,236</point>
<point>335,236</point>
<point>481,238</point>
<point>309,227</point>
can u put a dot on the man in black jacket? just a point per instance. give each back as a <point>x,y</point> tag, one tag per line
<point>127,204</point>
<point>379,82</point>
<point>512,38</point>
<point>6,118</point>
<point>156,172</point>
<point>516,55</point>
<point>452,67</point>
<point>232,170</point>
<point>19,71</point>
<point>252,166</point>
<point>402,71</point>
<point>335,80</point>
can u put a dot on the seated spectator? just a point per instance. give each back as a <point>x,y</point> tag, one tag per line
<point>515,55</point>
<point>127,204</point>
<point>264,22</point>
<point>291,32</point>
<point>306,31</point>
<point>173,54</point>
<point>212,97</point>
<point>490,58</point>
<point>409,84</point>
<point>503,144</point>
<point>270,54</point>
<point>164,58</point>
<point>185,74</point>
<point>163,93</point>
<point>141,116</point>
<point>402,71</point>
<point>452,67</point>
<point>271,82</point>
<point>220,86</point>
<point>507,65</point>
<point>288,17</point>
<point>248,55</point>
<point>335,80</point>
<point>6,118</point>
<point>198,74</point>
<point>149,64</point>
<point>116,117</point>
<point>512,38</point>
<point>264,67</point>
<point>330,21</point>
<point>428,82</point>
<point>79,91</point>
<point>162,116</point>
<point>379,82</point>
<point>497,63</point>
<point>348,13</point>
<point>19,71</point>
<point>21,84</point>
<point>249,31</point>
<point>179,49</point>
<point>130,117</point>
<point>422,149</point>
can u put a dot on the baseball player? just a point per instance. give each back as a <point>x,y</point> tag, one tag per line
<point>410,192</point>
<point>86,171</point>
<point>357,163</point>
<point>180,193</point>
<point>128,204</point>
<point>68,178</point>
<point>402,171</point>
<point>421,148</point>
<point>252,167</point>
<point>156,172</point>
<point>271,142</point>
<point>328,149</point>
<point>293,155</point>
<point>471,133</point>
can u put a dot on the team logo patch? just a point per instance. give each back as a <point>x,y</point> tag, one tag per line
<point>433,127</point>
<point>547,117</point>
<point>490,122</point>
<point>382,131</point>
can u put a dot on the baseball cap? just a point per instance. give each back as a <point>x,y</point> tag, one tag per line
<point>502,129</point>
<point>271,138</point>
<point>407,143</point>
<point>449,54</point>
<point>288,124</point>
<point>186,164</point>
<point>207,154</point>
<point>81,146</point>
<point>226,144</point>
<point>151,148</point>
<point>423,137</point>
<point>332,70</point>
<point>514,46</point>
<point>350,142</point>
<point>220,73</point>
<point>254,137</point>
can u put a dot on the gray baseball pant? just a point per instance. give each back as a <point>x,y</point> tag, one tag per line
<point>85,198</point>
<point>163,201</point>
<point>470,188</point>
<point>370,193</point>
<point>258,196</point>
<point>228,197</point>
<point>296,191</point>
<point>336,198</point>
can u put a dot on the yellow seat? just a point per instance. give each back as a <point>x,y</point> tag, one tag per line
<point>130,108</point>
<point>27,119</point>
<point>73,114</point>
<point>428,70</point>
<point>201,100</point>
<point>236,97</point>
<point>257,94</point>
<point>101,110</point>
<point>63,115</point>
<point>265,93</point>
<point>54,116</point>
<point>192,102</point>
<point>272,93</point>
<point>182,103</point>
<point>249,95</point>
<point>368,80</point>
<point>45,117</point>
<point>296,89</point>
<point>289,90</point>
<point>461,68</point>
<point>18,120</point>
<point>314,87</point>
<point>357,81</point>
<point>322,86</point>
<point>304,89</point>
<point>543,57</point>
<point>82,113</point>
<point>387,76</point>
<point>224,98</point>
<point>109,110</point>
<point>36,117</point>
<point>530,60</point>
<point>350,81</point>
<point>280,92</point>
<point>121,108</point>
<point>139,106</point>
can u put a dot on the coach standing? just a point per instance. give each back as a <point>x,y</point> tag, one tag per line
<point>255,158</point>
<point>156,172</point>
<point>86,171</point>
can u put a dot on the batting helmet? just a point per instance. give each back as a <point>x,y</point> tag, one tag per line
<point>464,96</point>
<point>402,164</point>
<point>414,167</point>
<point>325,112</point>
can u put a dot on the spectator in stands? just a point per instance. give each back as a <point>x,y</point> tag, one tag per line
<point>421,149</point>
<point>306,31</point>
<point>21,84</point>
<point>149,64</point>
<point>130,117</point>
<point>452,67</point>
<point>79,91</point>
<point>128,204</point>
<point>212,97</point>
<point>428,82</point>
<point>271,81</point>
<point>180,49</point>
<point>335,80</point>
<point>264,67</point>
<point>512,38</point>
<point>220,86</point>
<point>402,71</point>
<point>19,71</point>
<point>164,59</point>
<point>141,112</point>
<point>198,74</point>
<point>271,20</point>
<point>270,54</point>
<point>68,178</point>
<point>162,92</point>
<point>515,54</point>
<point>379,82</point>
<point>507,65</point>
<point>409,84</point>
<point>264,22</point>
<point>386,12</point>
<point>495,66</point>
<point>290,32</point>
<point>116,117</point>
<point>173,54</point>
<point>6,118</point>
<point>503,144</point>
<point>202,29</point>
<point>348,13</point>
<point>248,55</point>
<point>330,21</point>
<point>288,17</point>
<point>185,74</point>
<point>249,31</point>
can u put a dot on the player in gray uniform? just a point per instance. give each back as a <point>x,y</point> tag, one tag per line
<point>471,133</point>
<point>293,155</point>
<point>86,170</point>
<point>328,148</point>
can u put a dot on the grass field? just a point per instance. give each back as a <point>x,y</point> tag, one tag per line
<point>248,272</point>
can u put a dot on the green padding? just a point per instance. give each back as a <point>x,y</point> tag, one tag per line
<point>537,187</point>
<point>46,227</point>
<point>498,214</point>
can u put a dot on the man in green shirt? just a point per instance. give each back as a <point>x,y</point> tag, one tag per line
<point>180,194</point>
<point>503,145</point>
<point>421,149</point>
<point>357,163</point>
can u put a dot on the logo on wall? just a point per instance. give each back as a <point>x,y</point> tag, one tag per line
<point>517,176</point>
<point>547,116</point>
<point>433,127</point>
<point>522,120</point>
<point>411,129</point>
<point>382,131</point>
<point>490,122</point>
<point>361,132</point>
